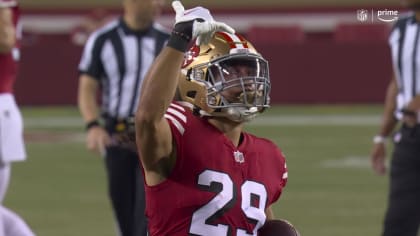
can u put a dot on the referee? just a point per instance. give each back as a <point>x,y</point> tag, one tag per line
<point>402,105</point>
<point>115,59</point>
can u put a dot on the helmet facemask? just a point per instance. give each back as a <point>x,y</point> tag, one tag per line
<point>237,85</point>
<point>225,78</point>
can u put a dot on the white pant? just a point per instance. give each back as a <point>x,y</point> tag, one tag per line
<point>11,130</point>
<point>10,223</point>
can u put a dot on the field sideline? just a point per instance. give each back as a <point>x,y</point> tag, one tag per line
<point>331,191</point>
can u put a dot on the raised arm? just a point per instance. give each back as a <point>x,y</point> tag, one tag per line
<point>7,30</point>
<point>154,138</point>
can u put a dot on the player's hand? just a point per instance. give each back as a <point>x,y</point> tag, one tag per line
<point>196,23</point>
<point>377,158</point>
<point>97,140</point>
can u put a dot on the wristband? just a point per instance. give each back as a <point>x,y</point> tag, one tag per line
<point>182,35</point>
<point>408,112</point>
<point>178,42</point>
<point>379,139</point>
<point>92,124</point>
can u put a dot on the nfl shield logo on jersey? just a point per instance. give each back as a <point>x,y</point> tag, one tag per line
<point>239,156</point>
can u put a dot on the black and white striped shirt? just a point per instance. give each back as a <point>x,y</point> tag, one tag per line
<point>405,46</point>
<point>119,58</point>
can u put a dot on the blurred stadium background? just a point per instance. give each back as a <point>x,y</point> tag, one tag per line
<point>329,71</point>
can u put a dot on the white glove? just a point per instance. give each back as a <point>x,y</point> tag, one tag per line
<point>204,25</point>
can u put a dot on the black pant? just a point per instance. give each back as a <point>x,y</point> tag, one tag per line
<point>126,189</point>
<point>403,215</point>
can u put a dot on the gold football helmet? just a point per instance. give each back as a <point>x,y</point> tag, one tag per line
<point>226,77</point>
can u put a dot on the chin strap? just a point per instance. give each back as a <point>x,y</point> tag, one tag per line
<point>241,114</point>
<point>237,114</point>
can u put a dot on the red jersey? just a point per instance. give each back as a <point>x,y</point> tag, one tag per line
<point>9,60</point>
<point>215,187</point>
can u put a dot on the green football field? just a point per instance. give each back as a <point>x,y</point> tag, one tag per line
<point>61,189</point>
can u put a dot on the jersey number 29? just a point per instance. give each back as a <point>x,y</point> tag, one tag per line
<point>222,184</point>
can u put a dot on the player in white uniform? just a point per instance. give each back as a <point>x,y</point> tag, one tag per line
<point>11,125</point>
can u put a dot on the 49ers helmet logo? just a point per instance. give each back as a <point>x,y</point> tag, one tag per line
<point>190,55</point>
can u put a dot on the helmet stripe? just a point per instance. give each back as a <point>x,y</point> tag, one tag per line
<point>234,41</point>
<point>228,39</point>
<point>243,40</point>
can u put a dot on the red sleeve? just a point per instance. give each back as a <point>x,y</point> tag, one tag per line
<point>176,115</point>
<point>180,119</point>
<point>282,173</point>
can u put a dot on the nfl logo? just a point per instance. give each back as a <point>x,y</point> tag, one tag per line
<point>239,156</point>
<point>362,15</point>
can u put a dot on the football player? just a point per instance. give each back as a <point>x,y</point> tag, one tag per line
<point>12,148</point>
<point>203,174</point>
